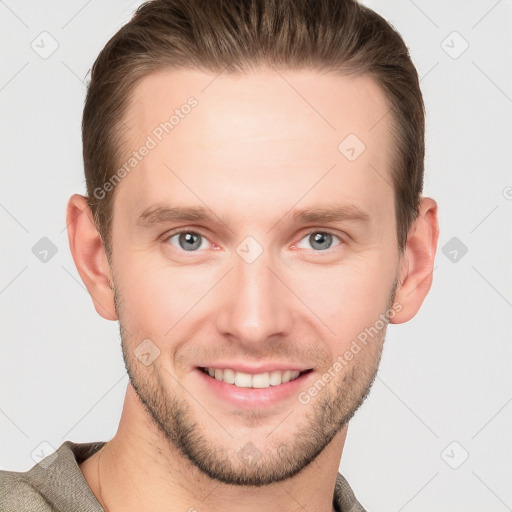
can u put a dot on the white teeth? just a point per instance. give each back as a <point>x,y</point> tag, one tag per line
<point>242,380</point>
<point>246,380</point>
<point>287,375</point>
<point>275,378</point>
<point>261,380</point>
<point>229,376</point>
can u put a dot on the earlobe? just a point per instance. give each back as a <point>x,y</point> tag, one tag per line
<point>89,256</point>
<point>416,267</point>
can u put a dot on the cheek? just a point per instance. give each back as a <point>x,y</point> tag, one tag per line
<point>347,298</point>
<point>155,296</point>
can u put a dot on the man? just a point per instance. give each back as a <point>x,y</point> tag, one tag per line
<point>254,220</point>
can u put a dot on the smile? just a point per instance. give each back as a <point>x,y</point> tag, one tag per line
<point>247,380</point>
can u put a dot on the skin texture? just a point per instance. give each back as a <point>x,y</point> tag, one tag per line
<point>256,148</point>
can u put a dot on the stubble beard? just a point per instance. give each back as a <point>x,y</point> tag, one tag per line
<point>281,458</point>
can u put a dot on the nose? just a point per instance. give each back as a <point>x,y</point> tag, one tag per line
<point>256,307</point>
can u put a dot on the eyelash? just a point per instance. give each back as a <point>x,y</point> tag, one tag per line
<point>172,234</point>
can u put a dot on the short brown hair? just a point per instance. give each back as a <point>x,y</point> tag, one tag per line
<point>234,36</point>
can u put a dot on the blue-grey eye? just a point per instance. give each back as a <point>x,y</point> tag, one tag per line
<point>188,240</point>
<point>320,240</point>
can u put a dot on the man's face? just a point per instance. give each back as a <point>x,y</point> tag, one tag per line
<point>257,288</point>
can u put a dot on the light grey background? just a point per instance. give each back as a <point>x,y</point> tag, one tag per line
<point>444,387</point>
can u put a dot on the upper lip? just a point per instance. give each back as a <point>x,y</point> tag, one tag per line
<point>255,369</point>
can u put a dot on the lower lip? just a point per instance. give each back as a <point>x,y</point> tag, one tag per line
<point>253,397</point>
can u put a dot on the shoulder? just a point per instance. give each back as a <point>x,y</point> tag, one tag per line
<point>344,497</point>
<point>19,494</point>
<point>54,484</point>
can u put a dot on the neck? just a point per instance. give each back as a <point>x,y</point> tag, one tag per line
<point>139,469</point>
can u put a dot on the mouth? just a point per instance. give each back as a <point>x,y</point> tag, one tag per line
<point>258,381</point>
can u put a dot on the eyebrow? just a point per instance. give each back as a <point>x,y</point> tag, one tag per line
<point>350,213</point>
<point>162,214</point>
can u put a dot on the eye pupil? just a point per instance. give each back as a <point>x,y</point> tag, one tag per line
<point>189,241</point>
<point>321,239</point>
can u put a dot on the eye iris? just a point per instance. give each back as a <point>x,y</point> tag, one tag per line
<point>321,238</point>
<point>189,241</point>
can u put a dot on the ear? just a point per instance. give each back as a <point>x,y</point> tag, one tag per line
<point>89,256</point>
<point>417,262</point>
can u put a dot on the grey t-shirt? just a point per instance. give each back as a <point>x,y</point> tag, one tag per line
<point>56,484</point>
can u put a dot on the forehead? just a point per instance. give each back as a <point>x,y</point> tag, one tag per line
<point>232,138</point>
